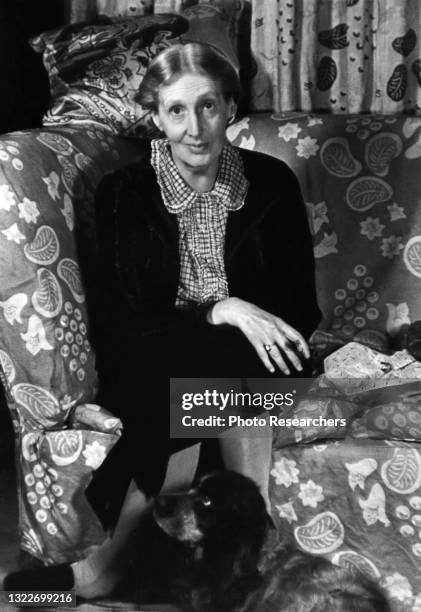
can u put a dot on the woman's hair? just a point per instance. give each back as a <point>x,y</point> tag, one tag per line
<point>177,60</point>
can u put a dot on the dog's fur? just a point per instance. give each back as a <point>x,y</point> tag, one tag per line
<point>215,551</point>
<point>297,582</point>
<point>221,527</point>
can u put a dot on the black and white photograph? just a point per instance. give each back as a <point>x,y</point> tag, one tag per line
<point>210,305</point>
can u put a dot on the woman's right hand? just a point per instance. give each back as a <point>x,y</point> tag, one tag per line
<point>272,338</point>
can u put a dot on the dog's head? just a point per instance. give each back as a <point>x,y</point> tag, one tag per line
<point>224,510</point>
<point>222,526</point>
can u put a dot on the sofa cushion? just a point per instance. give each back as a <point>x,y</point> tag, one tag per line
<point>95,69</point>
<point>363,394</point>
<point>329,411</point>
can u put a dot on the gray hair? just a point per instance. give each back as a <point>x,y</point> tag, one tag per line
<point>178,60</point>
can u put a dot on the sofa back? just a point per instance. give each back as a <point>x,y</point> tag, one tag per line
<point>361,181</point>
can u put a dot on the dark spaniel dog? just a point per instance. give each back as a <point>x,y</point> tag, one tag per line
<point>206,556</point>
<point>214,549</point>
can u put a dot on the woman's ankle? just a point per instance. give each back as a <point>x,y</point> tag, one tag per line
<point>92,580</point>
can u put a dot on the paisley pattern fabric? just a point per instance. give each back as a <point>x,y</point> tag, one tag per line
<point>95,67</point>
<point>47,179</point>
<point>388,412</point>
<point>225,29</point>
<point>95,70</point>
<point>360,180</point>
<point>355,500</point>
<point>358,503</point>
<point>351,56</point>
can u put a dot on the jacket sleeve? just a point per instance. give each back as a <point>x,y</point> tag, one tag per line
<point>300,280</point>
<point>117,318</point>
<point>287,243</point>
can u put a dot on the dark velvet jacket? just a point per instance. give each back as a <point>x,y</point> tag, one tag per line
<point>268,254</point>
<point>141,340</point>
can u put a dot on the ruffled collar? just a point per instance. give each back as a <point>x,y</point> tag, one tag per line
<point>230,186</point>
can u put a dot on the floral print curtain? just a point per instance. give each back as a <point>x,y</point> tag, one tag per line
<point>339,56</point>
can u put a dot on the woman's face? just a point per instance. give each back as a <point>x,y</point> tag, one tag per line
<point>193,114</point>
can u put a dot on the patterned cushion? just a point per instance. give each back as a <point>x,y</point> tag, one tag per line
<point>317,415</point>
<point>327,411</point>
<point>95,70</point>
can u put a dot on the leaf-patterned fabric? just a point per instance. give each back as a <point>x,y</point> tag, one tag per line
<point>342,56</point>
<point>47,179</point>
<point>358,503</point>
<point>360,180</point>
<point>81,10</point>
<point>389,411</point>
<point>356,500</point>
<point>95,70</point>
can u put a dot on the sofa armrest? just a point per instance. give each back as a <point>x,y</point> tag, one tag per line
<point>92,416</point>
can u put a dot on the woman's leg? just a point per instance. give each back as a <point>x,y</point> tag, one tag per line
<point>100,572</point>
<point>181,469</point>
<point>248,450</point>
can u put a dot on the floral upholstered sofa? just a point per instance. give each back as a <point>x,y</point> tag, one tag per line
<point>355,498</point>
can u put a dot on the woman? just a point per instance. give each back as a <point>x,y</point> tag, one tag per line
<point>206,269</point>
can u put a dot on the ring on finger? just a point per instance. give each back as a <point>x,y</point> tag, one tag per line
<point>268,347</point>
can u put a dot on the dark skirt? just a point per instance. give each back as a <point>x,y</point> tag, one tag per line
<point>140,396</point>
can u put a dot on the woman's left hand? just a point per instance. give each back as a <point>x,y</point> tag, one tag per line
<point>270,335</point>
